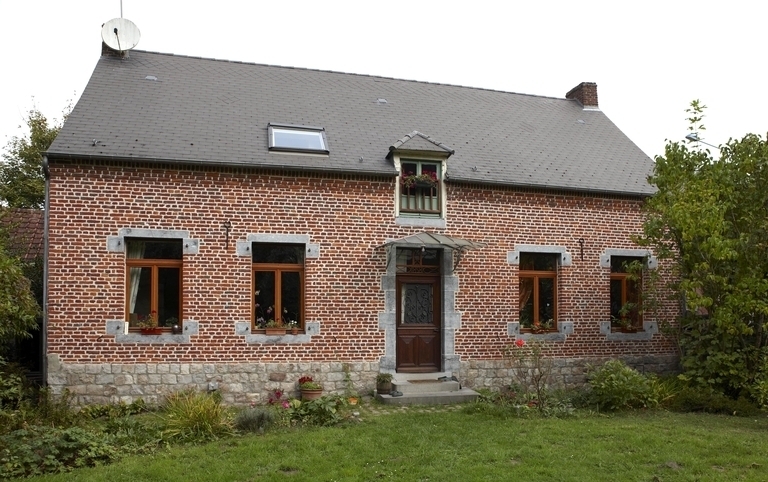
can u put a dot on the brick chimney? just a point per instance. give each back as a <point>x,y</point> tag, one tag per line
<point>585,93</point>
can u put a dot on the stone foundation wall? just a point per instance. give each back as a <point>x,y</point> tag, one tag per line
<point>238,383</point>
<point>566,372</point>
<point>245,383</point>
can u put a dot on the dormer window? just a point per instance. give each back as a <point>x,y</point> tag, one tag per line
<point>420,188</point>
<point>290,138</point>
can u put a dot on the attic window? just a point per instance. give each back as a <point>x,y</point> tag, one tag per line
<point>289,138</point>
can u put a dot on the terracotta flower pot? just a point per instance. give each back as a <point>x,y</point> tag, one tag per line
<point>310,394</point>
<point>156,330</point>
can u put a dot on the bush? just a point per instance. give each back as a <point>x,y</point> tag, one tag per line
<point>134,435</point>
<point>42,449</point>
<point>195,417</point>
<point>111,411</point>
<point>616,386</point>
<point>14,388</point>
<point>323,411</point>
<point>254,419</point>
<point>705,399</point>
<point>22,404</point>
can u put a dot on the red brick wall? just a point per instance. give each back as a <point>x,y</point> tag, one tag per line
<point>348,217</point>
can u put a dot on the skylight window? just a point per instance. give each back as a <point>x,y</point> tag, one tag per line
<point>283,137</point>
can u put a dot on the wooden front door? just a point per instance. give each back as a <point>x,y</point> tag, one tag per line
<point>418,323</point>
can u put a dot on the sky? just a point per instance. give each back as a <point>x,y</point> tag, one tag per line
<point>649,59</point>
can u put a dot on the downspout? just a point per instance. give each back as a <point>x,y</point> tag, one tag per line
<point>44,337</point>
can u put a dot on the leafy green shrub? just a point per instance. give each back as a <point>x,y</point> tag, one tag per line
<point>111,411</point>
<point>14,388</point>
<point>616,386</point>
<point>323,411</point>
<point>195,417</point>
<point>134,435</point>
<point>254,419</point>
<point>22,405</point>
<point>55,410</point>
<point>704,399</point>
<point>665,389</point>
<point>42,449</point>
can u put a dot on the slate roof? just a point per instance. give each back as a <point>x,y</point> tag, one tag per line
<point>170,108</point>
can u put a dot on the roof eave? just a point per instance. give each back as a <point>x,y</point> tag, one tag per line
<point>52,156</point>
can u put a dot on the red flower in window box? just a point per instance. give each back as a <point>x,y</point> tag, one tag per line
<point>427,179</point>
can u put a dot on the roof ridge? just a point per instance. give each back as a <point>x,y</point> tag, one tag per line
<point>213,59</point>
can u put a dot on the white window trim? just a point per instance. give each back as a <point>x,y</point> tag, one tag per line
<point>425,221</point>
<point>320,131</point>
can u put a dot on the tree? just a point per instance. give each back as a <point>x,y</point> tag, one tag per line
<point>18,307</point>
<point>22,184</point>
<point>710,216</point>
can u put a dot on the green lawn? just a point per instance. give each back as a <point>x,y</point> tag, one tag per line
<point>453,445</point>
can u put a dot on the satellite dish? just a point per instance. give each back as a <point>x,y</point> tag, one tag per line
<point>120,34</point>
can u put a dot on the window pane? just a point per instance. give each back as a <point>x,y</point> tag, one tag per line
<point>290,301</point>
<point>430,169</point>
<point>298,139</point>
<point>416,303</point>
<point>140,293</point>
<point>409,168</point>
<point>538,261</point>
<point>264,297</point>
<point>620,264</point>
<point>526,302</point>
<point>616,298</point>
<point>154,249</point>
<point>278,253</point>
<point>168,296</point>
<point>546,299</point>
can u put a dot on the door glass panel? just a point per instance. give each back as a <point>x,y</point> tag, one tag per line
<point>290,287</point>
<point>416,303</point>
<point>264,297</point>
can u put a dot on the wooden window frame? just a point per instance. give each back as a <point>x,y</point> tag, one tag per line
<point>278,269</point>
<point>154,265</point>
<point>636,316</point>
<point>536,276</point>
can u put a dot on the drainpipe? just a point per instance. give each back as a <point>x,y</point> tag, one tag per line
<point>44,337</point>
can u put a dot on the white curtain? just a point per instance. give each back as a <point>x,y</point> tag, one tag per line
<point>135,251</point>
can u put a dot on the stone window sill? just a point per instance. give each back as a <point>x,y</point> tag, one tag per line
<point>564,328</point>
<point>119,328</point>
<point>243,328</point>
<point>650,328</point>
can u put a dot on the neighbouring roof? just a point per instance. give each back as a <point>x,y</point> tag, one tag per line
<point>169,108</point>
<point>24,229</point>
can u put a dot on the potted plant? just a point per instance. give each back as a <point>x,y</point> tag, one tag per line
<point>383,383</point>
<point>293,326</point>
<point>427,179</point>
<point>274,327</point>
<point>542,326</point>
<point>310,389</point>
<point>148,324</point>
<point>625,317</point>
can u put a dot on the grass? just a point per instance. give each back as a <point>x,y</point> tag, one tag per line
<point>435,445</point>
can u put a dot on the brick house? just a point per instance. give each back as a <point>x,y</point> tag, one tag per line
<point>399,226</point>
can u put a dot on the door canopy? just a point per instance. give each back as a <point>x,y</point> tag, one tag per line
<point>434,241</point>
